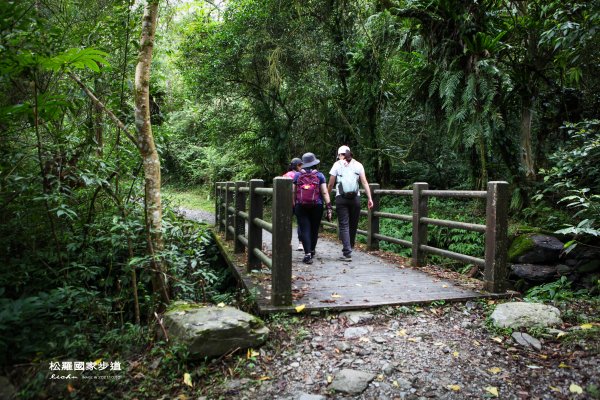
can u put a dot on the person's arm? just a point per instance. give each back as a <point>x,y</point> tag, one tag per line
<point>331,183</point>
<point>363,180</point>
<point>325,194</point>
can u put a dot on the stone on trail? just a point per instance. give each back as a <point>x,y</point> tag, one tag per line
<point>526,340</point>
<point>525,315</point>
<point>307,396</point>
<point>351,381</point>
<point>353,333</point>
<point>357,317</point>
<point>213,331</point>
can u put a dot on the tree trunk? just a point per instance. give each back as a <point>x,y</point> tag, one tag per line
<point>145,143</point>
<point>527,161</point>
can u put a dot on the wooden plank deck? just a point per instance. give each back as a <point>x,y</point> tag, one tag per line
<point>367,281</point>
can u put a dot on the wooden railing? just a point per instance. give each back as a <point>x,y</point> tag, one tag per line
<point>232,217</point>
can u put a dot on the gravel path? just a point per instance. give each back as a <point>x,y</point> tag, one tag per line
<point>198,215</point>
<point>413,353</point>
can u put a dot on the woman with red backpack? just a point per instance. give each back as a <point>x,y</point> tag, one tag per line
<point>310,196</point>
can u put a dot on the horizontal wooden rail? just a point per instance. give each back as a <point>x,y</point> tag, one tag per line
<point>456,256</point>
<point>393,192</point>
<point>263,224</point>
<point>455,193</point>
<point>264,191</point>
<point>393,240</point>
<point>264,258</point>
<point>454,224</point>
<point>400,217</point>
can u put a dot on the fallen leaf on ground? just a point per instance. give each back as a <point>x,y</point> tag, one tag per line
<point>221,305</point>
<point>187,379</point>
<point>586,326</point>
<point>401,332</point>
<point>494,370</point>
<point>563,365</point>
<point>300,308</point>
<point>264,378</point>
<point>497,339</point>
<point>335,295</point>
<point>456,388</point>
<point>455,354</point>
<point>329,378</point>
<point>251,353</point>
<point>575,388</point>
<point>560,334</point>
<point>493,390</point>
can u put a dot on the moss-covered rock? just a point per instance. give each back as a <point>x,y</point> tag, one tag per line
<point>209,331</point>
<point>535,249</point>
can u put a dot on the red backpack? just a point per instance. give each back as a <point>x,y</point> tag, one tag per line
<point>308,190</point>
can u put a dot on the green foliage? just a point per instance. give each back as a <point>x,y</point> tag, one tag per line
<point>456,240</point>
<point>557,291</point>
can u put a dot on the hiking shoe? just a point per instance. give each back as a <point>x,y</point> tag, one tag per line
<point>312,254</point>
<point>307,259</point>
<point>346,258</point>
<point>300,248</point>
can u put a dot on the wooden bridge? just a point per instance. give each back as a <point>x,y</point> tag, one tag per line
<point>259,252</point>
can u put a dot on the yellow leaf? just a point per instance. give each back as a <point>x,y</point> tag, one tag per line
<point>335,295</point>
<point>264,378</point>
<point>575,388</point>
<point>300,308</point>
<point>418,309</point>
<point>380,377</point>
<point>329,378</point>
<point>561,334</point>
<point>401,332</point>
<point>497,339</point>
<point>586,326</point>
<point>221,305</point>
<point>444,286</point>
<point>492,389</point>
<point>543,356</point>
<point>554,389</point>
<point>395,384</point>
<point>98,361</point>
<point>490,302</point>
<point>438,344</point>
<point>476,343</point>
<point>455,354</point>
<point>456,388</point>
<point>494,370</point>
<point>187,379</point>
<point>252,353</point>
<point>412,339</point>
<point>563,365</point>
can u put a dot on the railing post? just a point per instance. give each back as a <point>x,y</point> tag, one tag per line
<point>373,223</point>
<point>255,210</point>
<point>221,201</point>
<point>239,222</point>
<point>496,237</point>
<point>228,214</point>
<point>217,205</point>
<point>281,278</point>
<point>419,232</point>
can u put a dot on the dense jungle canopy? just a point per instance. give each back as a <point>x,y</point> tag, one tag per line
<point>453,93</point>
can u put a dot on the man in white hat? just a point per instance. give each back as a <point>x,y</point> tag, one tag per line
<point>345,174</point>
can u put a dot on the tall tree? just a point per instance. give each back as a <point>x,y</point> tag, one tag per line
<point>147,149</point>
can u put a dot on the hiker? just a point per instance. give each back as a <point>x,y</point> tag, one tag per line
<point>295,166</point>
<point>310,196</point>
<point>345,174</point>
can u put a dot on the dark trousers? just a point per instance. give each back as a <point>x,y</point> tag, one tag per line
<point>309,221</point>
<point>348,212</point>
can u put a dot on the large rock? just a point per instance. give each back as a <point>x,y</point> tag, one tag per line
<point>535,273</point>
<point>351,381</point>
<point>213,331</point>
<point>525,315</point>
<point>535,249</point>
